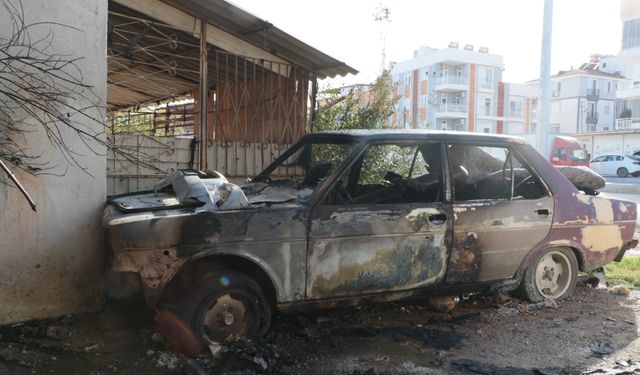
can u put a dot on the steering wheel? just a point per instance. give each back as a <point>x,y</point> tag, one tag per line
<point>524,181</point>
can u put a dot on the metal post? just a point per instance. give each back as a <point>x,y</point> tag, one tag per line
<point>204,89</point>
<point>545,80</point>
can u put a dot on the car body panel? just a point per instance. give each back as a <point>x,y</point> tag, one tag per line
<point>491,238</point>
<point>376,248</point>
<point>157,244</point>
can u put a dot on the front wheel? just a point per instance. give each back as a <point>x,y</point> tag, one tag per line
<point>622,172</point>
<point>551,275</point>
<point>219,307</point>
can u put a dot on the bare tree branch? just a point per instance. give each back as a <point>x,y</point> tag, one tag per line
<point>41,90</point>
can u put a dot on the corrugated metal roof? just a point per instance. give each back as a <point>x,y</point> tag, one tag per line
<point>267,36</point>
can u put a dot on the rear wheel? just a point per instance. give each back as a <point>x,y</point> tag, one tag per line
<point>622,172</point>
<point>219,307</point>
<point>552,275</point>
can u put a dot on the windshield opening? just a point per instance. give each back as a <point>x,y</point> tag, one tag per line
<point>305,166</point>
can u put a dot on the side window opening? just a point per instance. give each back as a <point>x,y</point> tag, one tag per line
<point>494,173</point>
<point>392,173</point>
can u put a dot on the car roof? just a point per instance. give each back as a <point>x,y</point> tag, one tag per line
<point>411,134</point>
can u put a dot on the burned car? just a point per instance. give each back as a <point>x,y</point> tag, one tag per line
<point>353,216</point>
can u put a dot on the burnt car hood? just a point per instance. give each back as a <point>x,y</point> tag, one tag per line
<point>197,193</point>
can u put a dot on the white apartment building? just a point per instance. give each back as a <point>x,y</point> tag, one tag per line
<point>459,89</point>
<point>627,64</point>
<point>582,100</point>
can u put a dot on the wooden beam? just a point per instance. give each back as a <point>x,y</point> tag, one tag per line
<point>204,97</point>
<point>183,21</point>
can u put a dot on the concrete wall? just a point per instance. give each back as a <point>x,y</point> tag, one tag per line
<point>52,259</point>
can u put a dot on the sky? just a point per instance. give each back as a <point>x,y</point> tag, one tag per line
<point>346,30</point>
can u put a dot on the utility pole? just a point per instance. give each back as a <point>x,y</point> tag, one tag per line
<point>383,15</point>
<point>545,81</point>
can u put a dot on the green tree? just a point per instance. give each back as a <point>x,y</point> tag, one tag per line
<point>366,109</point>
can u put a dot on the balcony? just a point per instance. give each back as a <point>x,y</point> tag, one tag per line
<point>593,94</point>
<point>592,118</point>
<point>452,83</point>
<point>628,90</point>
<point>516,114</point>
<point>628,123</point>
<point>452,111</point>
<point>486,85</point>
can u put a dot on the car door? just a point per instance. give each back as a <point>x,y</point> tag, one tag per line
<point>609,166</point>
<point>501,211</point>
<point>383,225</point>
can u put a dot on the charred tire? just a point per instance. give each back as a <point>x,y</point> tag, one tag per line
<point>218,307</point>
<point>552,274</point>
<point>622,172</point>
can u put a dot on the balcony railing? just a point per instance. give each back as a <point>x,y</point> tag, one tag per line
<point>592,118</point>
<point>452,80</point>
<point>631,42</point>
<point>486,84</point>
<point>516,114</point>
<point>452,107</point>
<point>628,123</point>
<point>593,94</point>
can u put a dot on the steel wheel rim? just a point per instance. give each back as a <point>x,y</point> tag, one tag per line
<point>228,316</point>
<point>553,274</point>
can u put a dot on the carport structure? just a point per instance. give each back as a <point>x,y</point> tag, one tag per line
<point>243,85</point>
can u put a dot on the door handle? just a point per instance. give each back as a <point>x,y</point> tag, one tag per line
<point>542,212</point>
<point>437,219</point>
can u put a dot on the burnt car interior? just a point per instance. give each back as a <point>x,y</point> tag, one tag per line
<point>392,173</point>
<point>491,173</point>
<point>400,172</point>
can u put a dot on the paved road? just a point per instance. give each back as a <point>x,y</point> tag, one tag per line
<point>625,180</point>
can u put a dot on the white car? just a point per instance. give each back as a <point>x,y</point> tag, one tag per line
<point>620,165</point>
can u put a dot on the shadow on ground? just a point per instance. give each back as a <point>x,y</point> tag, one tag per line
<point>592,330</point>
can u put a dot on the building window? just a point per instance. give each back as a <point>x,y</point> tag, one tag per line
<point>606,108</point>
<point>487,106</point>
<point>515,109</point>
<point>554,129</point>
<point>608,86</point>
<point>407,80</point>
<point>423,100</point>
<point>443,99</point>
<point>631,33</point>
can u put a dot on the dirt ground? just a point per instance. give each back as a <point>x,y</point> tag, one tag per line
<point>595,331</point>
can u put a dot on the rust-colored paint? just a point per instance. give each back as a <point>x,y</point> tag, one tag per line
<point>472,97</point>
<point>500,124</point>
<point>423,113</point>
<point>423,87</point>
